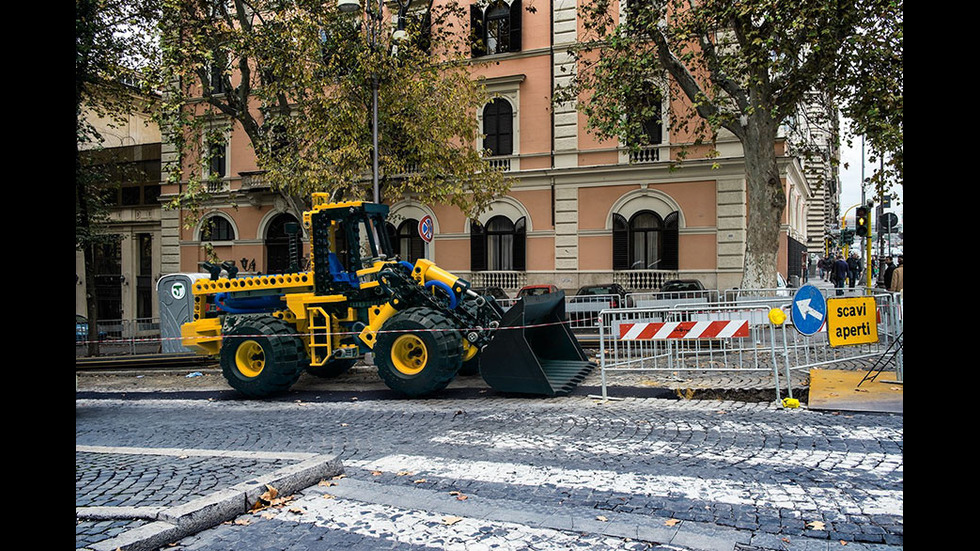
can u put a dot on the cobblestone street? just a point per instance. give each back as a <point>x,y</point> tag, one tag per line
<point>479,470</point>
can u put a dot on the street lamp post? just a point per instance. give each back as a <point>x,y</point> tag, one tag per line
<point>352,6</point>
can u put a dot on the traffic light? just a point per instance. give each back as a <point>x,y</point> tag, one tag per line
<point>863,226</point>
<point>846,236</point>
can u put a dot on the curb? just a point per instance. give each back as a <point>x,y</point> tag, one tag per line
<point>173,523</point>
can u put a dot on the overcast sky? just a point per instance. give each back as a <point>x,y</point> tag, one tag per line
<point>851,181</point>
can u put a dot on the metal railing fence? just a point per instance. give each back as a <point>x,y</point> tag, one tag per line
<point>766,348</point>
<point>121,337</point>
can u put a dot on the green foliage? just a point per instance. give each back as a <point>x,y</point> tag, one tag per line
<point>297,78</point>
<point>746,66</point>
<point>115,58</point>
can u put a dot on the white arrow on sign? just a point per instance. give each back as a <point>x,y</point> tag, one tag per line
<point>804,306</point>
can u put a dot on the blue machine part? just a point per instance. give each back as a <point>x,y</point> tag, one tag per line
<point>452,296</point>
<point>247,305</point>
<point>339,274</point>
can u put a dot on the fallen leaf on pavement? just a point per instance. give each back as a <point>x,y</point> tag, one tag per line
<point>419,481</point>
<point>602,518</point>
<point>671,522</point>
<point>815,525</point>
<point>449,521</point>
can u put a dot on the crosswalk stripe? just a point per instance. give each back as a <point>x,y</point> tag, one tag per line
<point>695,488</point>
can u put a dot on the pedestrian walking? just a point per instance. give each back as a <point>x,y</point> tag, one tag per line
<point>839,274</point>
<point>889,269</point>
<point>895,285</point>
<point>853,269</point>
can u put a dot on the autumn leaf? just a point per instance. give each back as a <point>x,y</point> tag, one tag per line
<point>326,483</point>
<point>419,481</point>
<point>601,518</point>
<point>671,522</point>
<point>449,521</point>
<point>376,473</point>
<point>815,525</point>
<point>329,496</point>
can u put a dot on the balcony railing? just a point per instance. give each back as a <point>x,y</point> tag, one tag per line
<point>504,280</point>
<point>254,180</point>
<point>646,154</point>
<point>643,279</point>
<point>219,186</point>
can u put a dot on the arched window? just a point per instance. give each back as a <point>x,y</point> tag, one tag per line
<point>217,228</point>
<point>498,125</point>
<point>277,236</point>
<point>496,29</point>
<point>407,242</point>
<point>500,245</point>
<point>645,241</point>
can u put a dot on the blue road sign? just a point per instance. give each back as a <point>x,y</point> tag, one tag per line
<point>809,310</point>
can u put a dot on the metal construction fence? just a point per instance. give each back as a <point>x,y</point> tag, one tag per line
<point>120,337</point>
<point>603,322</point>
<point>737,335</point>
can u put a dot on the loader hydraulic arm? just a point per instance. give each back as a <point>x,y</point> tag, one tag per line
<point>425,284</point>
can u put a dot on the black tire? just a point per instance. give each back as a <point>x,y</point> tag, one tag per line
<point>472,366</point>
<point>333,368</point>
<point>418,352</point>
<point>262,356</point>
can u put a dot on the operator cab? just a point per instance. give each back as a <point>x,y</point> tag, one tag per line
<point>347,238</point>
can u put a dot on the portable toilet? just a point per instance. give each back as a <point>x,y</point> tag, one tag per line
<point>176,308</point>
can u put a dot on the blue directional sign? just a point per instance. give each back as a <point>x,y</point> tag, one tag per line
<point>809,310</point>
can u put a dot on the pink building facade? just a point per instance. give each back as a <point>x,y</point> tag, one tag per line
<point>581,211</point>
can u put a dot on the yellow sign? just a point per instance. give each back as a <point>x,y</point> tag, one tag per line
<point>852,321</point>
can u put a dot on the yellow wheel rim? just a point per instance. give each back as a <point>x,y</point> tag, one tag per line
<point>250,358</point>
<point>469,351</point>
<point>408,354</point>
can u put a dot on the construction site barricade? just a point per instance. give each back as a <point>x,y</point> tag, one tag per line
<point>759,345</point>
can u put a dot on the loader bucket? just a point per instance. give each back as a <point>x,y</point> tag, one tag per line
<point>533,351</point>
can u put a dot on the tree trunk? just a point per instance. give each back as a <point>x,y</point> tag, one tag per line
<point>766,203</point>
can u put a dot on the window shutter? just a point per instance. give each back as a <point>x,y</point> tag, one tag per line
<point>520,246</point>
<point>515,26</point>
<point>478,38</point>
<point>671,242</point>
<point>620,247</point>
<point>478,247</point>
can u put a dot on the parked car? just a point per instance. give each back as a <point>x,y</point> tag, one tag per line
<point>495,292</point>
<point>605,289</point>
<point>534,290</point>
<point>676,285</point>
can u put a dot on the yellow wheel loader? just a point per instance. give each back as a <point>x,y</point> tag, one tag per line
<point>421,323</point>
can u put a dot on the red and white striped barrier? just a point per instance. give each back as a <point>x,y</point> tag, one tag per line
<point>684,330</point>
